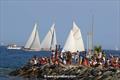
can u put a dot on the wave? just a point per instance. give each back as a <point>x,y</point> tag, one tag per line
<point>5,71</point>
<point>4,74</point>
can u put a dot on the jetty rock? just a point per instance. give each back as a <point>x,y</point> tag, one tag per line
<point>58,72</point>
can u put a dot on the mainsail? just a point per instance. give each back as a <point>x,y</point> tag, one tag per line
<point>50,41</point>
<point>74,41</point>
<point>33,42</point>
<point>70,43</point>
<point>78,38</point>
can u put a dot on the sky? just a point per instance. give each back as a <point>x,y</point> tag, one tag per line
<point>17,19</point>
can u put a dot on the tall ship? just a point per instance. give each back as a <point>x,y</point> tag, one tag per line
<point>33,43</point>
<point>49,42</point>
<point>74,40</point>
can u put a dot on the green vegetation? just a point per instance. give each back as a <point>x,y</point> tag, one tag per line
<point>98,48</point>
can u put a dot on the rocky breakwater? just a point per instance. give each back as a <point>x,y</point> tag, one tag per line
<point>61,72</point>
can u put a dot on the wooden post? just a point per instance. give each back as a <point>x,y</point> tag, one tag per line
<point>59,48</point>
<point>56,52</point>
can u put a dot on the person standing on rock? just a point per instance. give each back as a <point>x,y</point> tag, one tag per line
<point>60,57</point>
<point>69,57</point>
<point>64,58</point>
<point>86,62</point>
<point>50,61</point>
<point>53,56</point>
<point>53,53</point>
<point>107,63</point>
<point>99,55</point>
<point>80,59</point>
<point>77,57</point>
<point>89,55</point>
<point>35,60</point>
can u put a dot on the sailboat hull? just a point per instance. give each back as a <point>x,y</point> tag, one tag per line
<point>28,49</point>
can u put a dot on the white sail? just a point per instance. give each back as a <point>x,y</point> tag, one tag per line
<point>54,40</point>
<point>49,42</point>
<point>78,38</point>
<point>70,43</point>
<point>74,41</point>
<point>33,42</point>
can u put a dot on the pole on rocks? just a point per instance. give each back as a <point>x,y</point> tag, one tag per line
<point>56,54</point>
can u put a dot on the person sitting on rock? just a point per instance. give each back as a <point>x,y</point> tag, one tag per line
<point>68,57</point>
<point>42,60</point>
<point>99,63</point>
<point>94,62</point>
<point>39,61</point>
<point>86,62</point>
<point>119,63</point>
<point>91,62</point>
<point>50,61</point>
<point>103,60</point>
<point>113,62</point>
<point>56,62</point>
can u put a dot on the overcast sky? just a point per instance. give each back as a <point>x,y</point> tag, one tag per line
<point>17,18</point>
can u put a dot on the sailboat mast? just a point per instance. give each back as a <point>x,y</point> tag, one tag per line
<point>90,37</point>
<point>87,41</point>
<point>119,30</point>
<point>92,30</point>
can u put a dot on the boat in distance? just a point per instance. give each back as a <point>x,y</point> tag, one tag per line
<point>14,46</point>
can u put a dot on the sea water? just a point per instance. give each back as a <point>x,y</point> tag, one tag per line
<point>13,59</point>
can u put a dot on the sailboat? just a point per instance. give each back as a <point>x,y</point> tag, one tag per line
<point>13,47</point>
<point>74,41</point>
<point>33,43</point>
<point>50,41</point>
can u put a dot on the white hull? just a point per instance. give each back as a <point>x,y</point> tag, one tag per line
<point>27,49</point>
<point>17,48</point>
